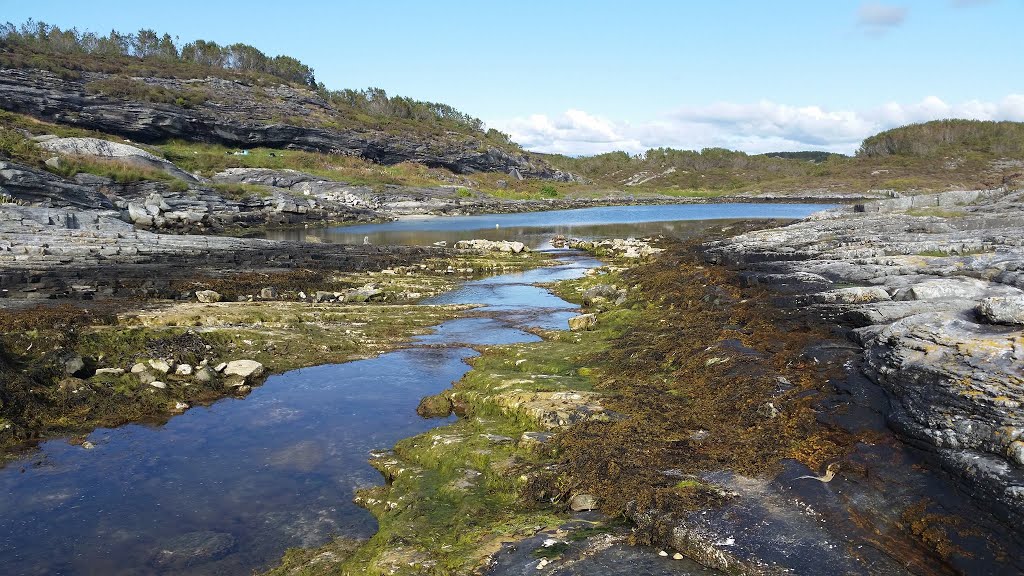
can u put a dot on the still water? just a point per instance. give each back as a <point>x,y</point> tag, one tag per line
<point>534,228</point>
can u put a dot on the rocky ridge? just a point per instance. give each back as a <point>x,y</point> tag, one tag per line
<point>242,115</point>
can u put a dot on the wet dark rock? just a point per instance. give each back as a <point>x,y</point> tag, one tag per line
<point>564,552</point>
<point>191,549</point>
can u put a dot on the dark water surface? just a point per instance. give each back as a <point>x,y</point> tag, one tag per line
<point>534,228</point>
<point>245,479</point>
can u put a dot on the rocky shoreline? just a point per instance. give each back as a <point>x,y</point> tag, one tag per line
<point>934,302</point>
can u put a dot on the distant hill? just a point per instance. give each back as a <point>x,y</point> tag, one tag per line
<point>931,156</point>
<point>948,137</point>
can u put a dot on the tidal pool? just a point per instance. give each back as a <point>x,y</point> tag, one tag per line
<point>230,486</point>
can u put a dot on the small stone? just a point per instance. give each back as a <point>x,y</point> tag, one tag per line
<point>181,406</point>
<point>145,376</point>
<point>88,445</point>
<point>208,296</point>
<point>269,293</point>
<point>158,384</point>
<point>1016,451</point>
<point>768,410</point>
<point>203,375</point>
<point>139,367</point>
<point>582,502</point>
<point>677,556</point>
<point>662,553</point>
<point>183,370</point>
<point>220,367</point>
<point>111,371</point>
<point>161,366</point>
<point>73,363</point>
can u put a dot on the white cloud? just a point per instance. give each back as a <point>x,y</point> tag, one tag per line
<point>752,127</point>
<point>876,18</point>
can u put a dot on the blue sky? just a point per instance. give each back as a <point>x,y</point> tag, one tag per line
<point>592,76</point>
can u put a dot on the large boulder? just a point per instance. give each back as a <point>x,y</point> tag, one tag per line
<point>1002,310</point>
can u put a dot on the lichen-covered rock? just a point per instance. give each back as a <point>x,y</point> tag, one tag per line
<point>854,295</point>
<point>123,152</point>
